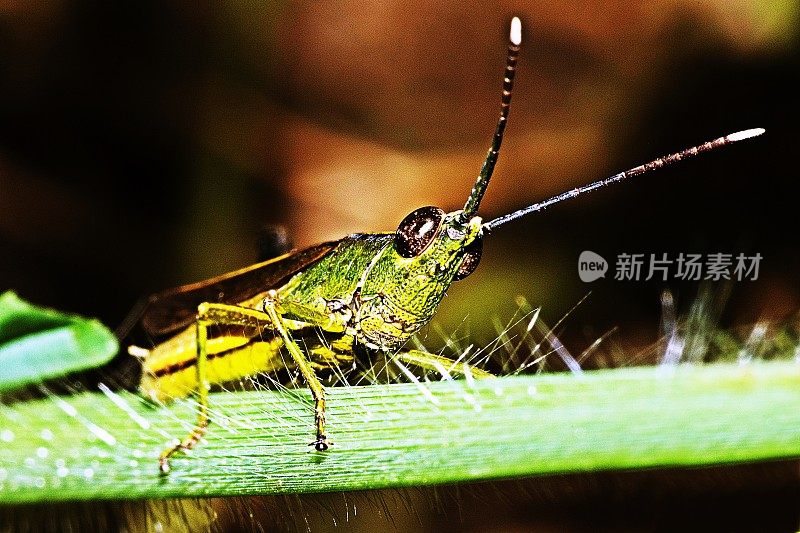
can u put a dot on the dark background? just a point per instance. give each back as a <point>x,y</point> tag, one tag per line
<point>144,146</point>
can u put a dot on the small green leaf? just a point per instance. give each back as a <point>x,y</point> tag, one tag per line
<point>38,344</point>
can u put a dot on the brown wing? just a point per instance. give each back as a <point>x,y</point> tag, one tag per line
<point>166,312</point>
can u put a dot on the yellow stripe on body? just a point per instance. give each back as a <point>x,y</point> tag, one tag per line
<point>170,369</point>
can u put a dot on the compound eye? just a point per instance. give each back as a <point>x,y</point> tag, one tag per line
<point>472,256</point>
<point>416,232</point>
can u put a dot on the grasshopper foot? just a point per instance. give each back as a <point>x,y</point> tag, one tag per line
<point>187,444</point>
<point>163,462</point>
<point>321,444</point>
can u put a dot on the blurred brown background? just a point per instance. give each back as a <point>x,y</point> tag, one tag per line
<point>145,145</point>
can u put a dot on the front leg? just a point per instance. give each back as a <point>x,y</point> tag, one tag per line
<point>317,390</point>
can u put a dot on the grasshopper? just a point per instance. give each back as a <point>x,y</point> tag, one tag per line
<point>337,299</point>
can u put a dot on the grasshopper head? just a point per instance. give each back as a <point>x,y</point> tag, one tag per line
<point>448,246</point>
<point>430,250</point>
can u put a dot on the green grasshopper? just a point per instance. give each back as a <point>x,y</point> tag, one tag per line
<point>337,299</point>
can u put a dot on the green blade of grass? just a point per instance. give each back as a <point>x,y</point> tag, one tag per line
<point>105,446</point>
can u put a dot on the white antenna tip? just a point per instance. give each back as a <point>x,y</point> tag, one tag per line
<point>516,31</point>
<point>746,134</point>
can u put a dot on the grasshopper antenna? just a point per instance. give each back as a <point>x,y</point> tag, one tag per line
<point>635,171</point>
<point>474,200</point>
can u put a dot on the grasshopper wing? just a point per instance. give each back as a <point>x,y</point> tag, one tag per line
<point>168,311</point>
